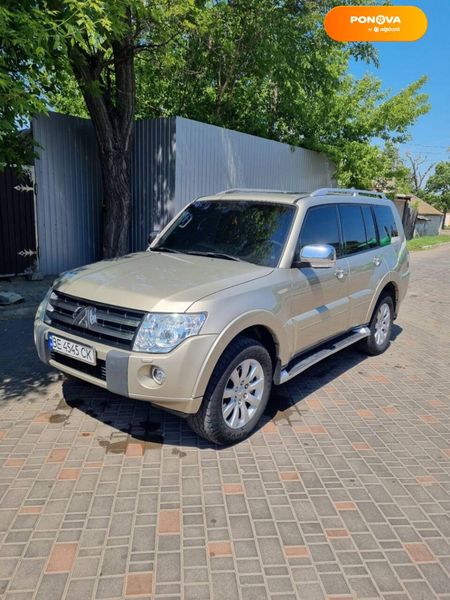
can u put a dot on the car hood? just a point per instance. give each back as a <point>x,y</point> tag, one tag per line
<point>156,281</point>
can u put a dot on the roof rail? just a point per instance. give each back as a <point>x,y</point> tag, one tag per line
<point>256,190</point>
<point>347,191</point>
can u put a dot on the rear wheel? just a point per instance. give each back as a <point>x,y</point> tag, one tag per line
<point>380,327</point>
<point>236,395</point>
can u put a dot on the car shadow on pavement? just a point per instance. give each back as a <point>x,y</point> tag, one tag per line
<point>129,420</point>
<point>142,423</point>
<point>287,398</point>
<point>22,374</point>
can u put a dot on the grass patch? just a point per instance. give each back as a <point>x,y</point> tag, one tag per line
<point>427,241</point>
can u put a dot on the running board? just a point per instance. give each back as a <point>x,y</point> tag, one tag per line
<point>301,364</point>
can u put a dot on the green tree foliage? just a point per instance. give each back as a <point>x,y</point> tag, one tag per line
<point>268,68</point>
<point>24,77</point>
<point>393,176</point>
<point>265,67</point>
<point>367,112</point>
<point>59,51</point>
<point>438,186</point>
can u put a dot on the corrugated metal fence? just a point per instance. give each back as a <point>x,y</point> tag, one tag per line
<point>173,161</point>
<point>211,159</point>
<point>152,177</point>
<point>68,192</point>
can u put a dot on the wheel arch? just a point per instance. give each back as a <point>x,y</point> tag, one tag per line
<point>389,286</point>
<point>261,326</point>
<point>392,289</point>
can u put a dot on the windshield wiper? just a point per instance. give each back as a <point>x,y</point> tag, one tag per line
<point>214,255</point>
<point>165,249</point>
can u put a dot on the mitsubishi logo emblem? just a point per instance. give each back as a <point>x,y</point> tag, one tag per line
<point>85,316</point>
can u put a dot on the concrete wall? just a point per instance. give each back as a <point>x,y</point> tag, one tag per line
<point>447,220</point>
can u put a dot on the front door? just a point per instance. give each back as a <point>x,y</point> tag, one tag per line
<point>320,299</point>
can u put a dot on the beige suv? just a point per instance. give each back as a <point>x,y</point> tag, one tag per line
<point>242,290</point>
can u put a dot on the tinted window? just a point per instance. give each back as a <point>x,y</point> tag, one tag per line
<point>320,227</point>
<point>252,231</point>
<point>387,228</point>
<point>371,232</point>
<point>353,230</point>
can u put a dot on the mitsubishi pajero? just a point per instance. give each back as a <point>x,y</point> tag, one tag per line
<point>241,291</point>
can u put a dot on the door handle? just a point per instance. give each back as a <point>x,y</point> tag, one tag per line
<point>339,273</point>
<point>377,261</point>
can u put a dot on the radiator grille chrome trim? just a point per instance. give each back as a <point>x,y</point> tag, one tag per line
<point>113,326</point>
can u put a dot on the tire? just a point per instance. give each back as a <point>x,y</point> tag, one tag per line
<point>380,327</point>
<point>223,413</point>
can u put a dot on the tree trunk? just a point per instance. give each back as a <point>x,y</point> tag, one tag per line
<point>111,105</point>
<point>116,203</point>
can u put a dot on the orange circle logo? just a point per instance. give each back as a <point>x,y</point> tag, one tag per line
<point>375,23</point>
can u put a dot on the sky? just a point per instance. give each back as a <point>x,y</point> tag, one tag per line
<point>403,62</point>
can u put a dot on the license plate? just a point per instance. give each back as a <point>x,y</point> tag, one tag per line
<point>73,349</point>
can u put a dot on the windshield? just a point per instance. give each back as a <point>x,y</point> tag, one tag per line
<point>237,230</point>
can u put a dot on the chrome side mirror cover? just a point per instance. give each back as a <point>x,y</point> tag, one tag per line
<point>318,256</point>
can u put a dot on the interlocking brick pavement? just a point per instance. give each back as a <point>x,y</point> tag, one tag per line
<point>343,493</point>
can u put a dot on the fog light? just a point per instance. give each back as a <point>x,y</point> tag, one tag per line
<point>159,375</point>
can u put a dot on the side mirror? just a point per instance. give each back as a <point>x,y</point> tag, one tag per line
<point>318,256</point>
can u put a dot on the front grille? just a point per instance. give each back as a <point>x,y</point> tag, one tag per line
<point>112,325</point>
<point>98,370</point>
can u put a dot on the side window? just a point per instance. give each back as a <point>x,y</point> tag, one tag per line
<point>320,227</point>
<point>387,228</point>
<point>371,232</point>
<point>353,230</point>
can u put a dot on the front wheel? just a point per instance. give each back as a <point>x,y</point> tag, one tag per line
<point>236,395</point>
<point>380,327</point>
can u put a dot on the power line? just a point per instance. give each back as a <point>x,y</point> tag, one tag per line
<point>428,146</point>
<point>430,152</point>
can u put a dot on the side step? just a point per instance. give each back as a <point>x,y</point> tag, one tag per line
<point>304,362</point>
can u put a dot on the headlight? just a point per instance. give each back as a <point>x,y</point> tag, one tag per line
<point>44,306</point>
<point>162,332</point>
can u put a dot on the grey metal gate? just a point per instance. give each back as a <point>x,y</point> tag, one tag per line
<point>18,247</point>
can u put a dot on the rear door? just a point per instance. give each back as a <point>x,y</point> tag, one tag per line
<point>361,248</point>
<point>320,302</point>
<point>389,235</point>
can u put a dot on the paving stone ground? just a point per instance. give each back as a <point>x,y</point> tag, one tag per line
<point>343,493</point>
<point>32,293</point>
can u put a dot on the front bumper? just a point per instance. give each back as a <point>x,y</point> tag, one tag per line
<point>130,373</point>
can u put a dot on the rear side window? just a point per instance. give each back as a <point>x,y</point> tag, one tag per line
<point>387,228</point>
<point>353,229</point>
<point>371,232</point>
<point>320,227</point>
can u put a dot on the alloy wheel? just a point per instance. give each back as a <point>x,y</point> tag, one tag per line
<point>382,324</point>
<point>243,393</point>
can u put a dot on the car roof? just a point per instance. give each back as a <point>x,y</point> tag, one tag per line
<point>288,197</point>
<point>260,195</point>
